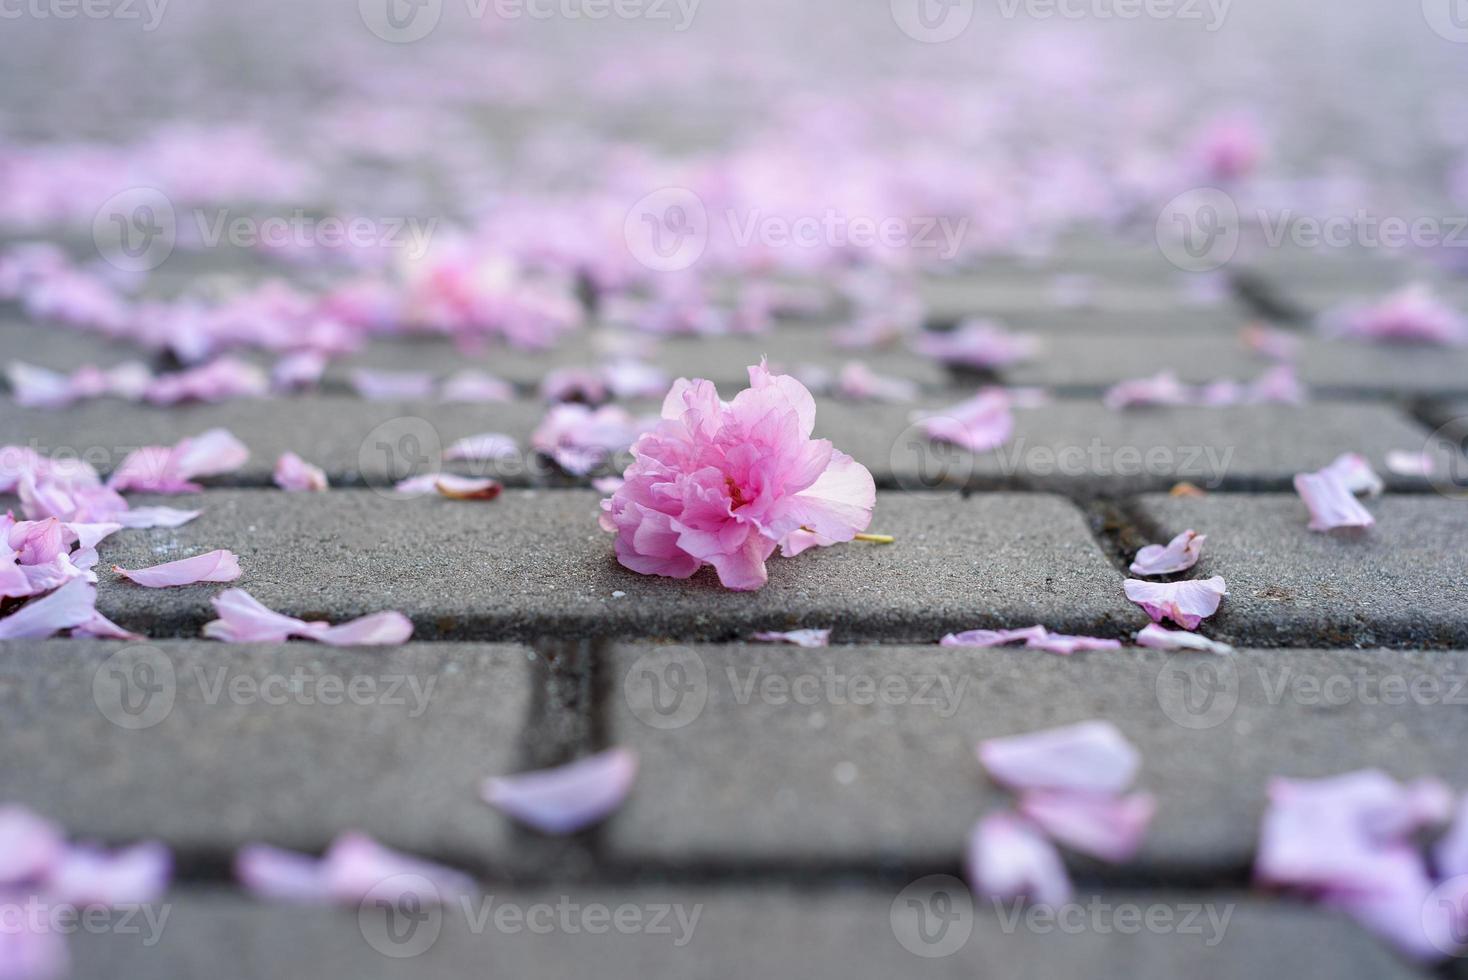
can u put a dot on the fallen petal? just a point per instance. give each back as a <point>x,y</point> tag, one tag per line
<point>1331,503</point>
<point>378,629</point>
<point>71,605</point>
<point>466,488</point>
<point>1178,555</point>
<point>91,876</point>
<point>1008,859</point>
<point>216,566</point>
<point>1160,638</point>
<point>1099,824</point>
<point>1092,756</point>
<point>1185,603</point>
<point>30,846</point>
<point>294,474</point>
<point>799,638</point>
<point>568,798</point>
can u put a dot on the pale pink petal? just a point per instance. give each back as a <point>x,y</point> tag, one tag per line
<point>209,454</point>
<point>1277,386</point>
<point>490,446</point>
<point>353,867</point>
<point>71,605</point>
<point>1185,603</point>
<point>1413,315</point>
<point>568,798</point>
<point>860,383</point>
<point>30,846</point>
<point>102,628</point>
<point>1407,463</point>
<point>983,639</point>
<point>90,535</point>
<point>1356,474</point>
<point>1330,502</point>
<point>299,371</point>
<point>392,385</point>
<point>378,629</point>
<point>281,875</point>
<point>31,949</point>
<point>1008,859</point>
<point>90,876</point>
<point>1178,555</point>
<point>215,566</point>
<point>1160,638</point>
<point>294,474</point>
<point>1059,643</point>
<point>980,344</point>
<point>1099,824</point>
<point>634,379</point>
<point>1092,756</point>
<point>475,387</point>
<point>799,638</point>
<point>467,488</point>
<point>38,387</point>
<point>574,385</point>
<point>982,423</point>
<point>1160,390</point>
<point>146,517</point>
<point>417,486</point>
<point>244,619</point>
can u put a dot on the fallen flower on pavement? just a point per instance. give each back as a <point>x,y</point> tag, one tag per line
<point>726,483</point>
<point>294,474</point>
<point>216,566</point>
<point>567,798</point>
<point>799,638</point>
<point>244,619</point>
<point>353,868</point>
<point>1185,603</point>
<point>1178,555</point>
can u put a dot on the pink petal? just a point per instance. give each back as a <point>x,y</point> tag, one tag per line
<point>1008,859</point>
<point>392,385</point>
<point>490,446</point>
<point>209,454</point>
<point>1089,757</point>
<point>1185,603</point>
<point>475,387</point>
<point>146,517</point>
<point>466,488</point>
<point>1059,643</point>
<point>354,867</point>
<point>243,619</point>
<point>983,639</point>
<point>1159,638</point>
<point>30,949</point>
<point>215,566</point>
<point>799,638</point>
<point>1450,854</point>
<point>91,535</point>
<point>286,876</point>
<point>982,423</point>
<point>1160,390</point>
<point>568,798</point>
<point>30,846</point>
<point>417,486</point>
<point>1099,824</point>
<point>1330,502</point>
<point>294,474</point>
<point>91,876</point>
<point>607,484</point>
<point>1405,463</point>
<point>71,605</point>
<point>1413,315</point>
<point>860,383</point>
<point>1356,473</point>
<point>102,628</point>
<point>979,344</point>
<point>1179,555</point>
<point>378,629</point>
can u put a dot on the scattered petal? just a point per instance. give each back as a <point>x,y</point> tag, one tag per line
<point>1185,603</point>
<point>799,638</point>
<point>1160,638</point>
<point>353,867</point>
<point>216,566</point>
<point>74,604</point>
<point>1330,502</point>
<point>983,423</point>
<point>1099,824</point>
<point>244,619</point>
<point>568,798</point>
<point>1178,555</point>
<point>1008,859</point>
<point>294,474</point>
<point>466,488</point>
<point>1407,463</point>
<point>87,875</point>
<point>30,846</point>
<point>1091,757</point>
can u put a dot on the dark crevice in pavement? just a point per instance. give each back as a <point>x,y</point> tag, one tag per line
<point>1263,295</point>
<point>1114,531</point>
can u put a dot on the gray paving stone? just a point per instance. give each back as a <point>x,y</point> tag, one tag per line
<point>1080,447</point>
<point>1330,367</point>
<point>535,563</point>
<point>777,932</point>
<point>207,745</point>
<point>1225,320</point>
<point>1399,583</point>
<point>1161,301</point>
<point>766,757</point>
<point>1069,446</point>
<point>60,349</point>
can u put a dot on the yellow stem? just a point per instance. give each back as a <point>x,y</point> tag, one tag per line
<point>876,538</point>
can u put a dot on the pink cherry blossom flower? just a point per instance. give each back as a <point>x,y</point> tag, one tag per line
<point>216,566</point>
<point>726,483</point>
<point>353,868</point>
<point>1185,603</point>
<point>1178,555</point>
<point>798,638</point>
<point>983,423</point>
<point>1009,858</point>
<point>244,619</point>
<point>979,344</point>
<point>294,474</point>
<point>568,798</point>
<point>161,469</point>
<point>1413,315</point>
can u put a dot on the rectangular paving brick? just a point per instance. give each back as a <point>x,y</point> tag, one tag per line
<point>1069,446</point>
<point>760,756</point>
<point>1161,300</point>
<point>207,745</point>
<point>816,932</point>
<point>536,563</point>
<point>1400,582</point>
<point>1329,367</point>
<point>60,348</point>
